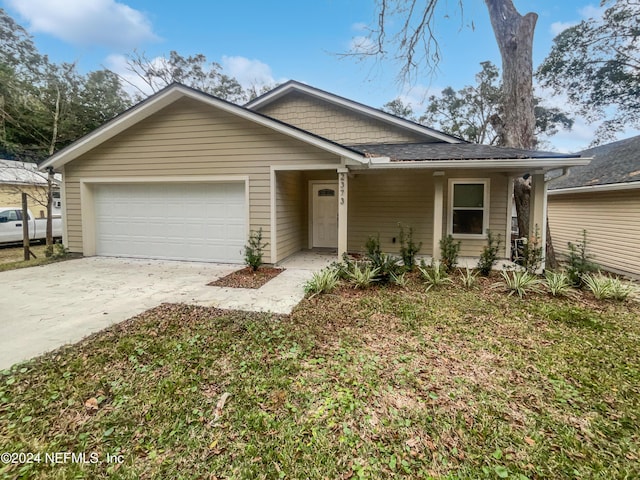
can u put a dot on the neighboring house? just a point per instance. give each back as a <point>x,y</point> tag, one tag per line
<point>184,175</point>
<point>18,177</point>
<point>602,198</point>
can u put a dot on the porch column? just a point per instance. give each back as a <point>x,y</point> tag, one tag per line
<point>438,212</point>
<point>538,211</point>
<point>343,191</point>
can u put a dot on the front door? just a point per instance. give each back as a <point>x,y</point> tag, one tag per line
<point>325,214</point>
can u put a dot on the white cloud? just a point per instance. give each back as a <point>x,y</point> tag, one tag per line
<point>87,22</point>
<point>417,96</point>
<point>132,83</point>
<point>359,27</point>
<point>248,72</point>
<point>559,27</point>
<point>585,13</point>
<point>592,12</point>
<point>362,45</point>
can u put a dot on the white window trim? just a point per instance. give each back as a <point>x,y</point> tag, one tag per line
<point>486,209</point>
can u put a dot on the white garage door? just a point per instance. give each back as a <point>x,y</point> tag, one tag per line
<point>177,221</point>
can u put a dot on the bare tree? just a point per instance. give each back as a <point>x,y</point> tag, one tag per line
<point>415,45</point>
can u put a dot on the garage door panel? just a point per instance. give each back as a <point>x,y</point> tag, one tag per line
<point>200,222</point>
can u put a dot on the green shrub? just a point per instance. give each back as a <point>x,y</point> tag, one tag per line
<point>400,279</point>
<point>323,281</point>
<point>579,261</point>
<point>384,264</point>
<point>604,287</point>
<point>408,248</point>
<point>434,275</point>
<point>489,253</point>
<point>469,277</point>
<point>363,275</point>
<point>557,283</point>
<point>598,284</point>
<point>344,267</point>
<point>449,251</point>
<point>622,290</point>
<point>520,282</point>
<point>254,249</point>
<point>373,248</point>
<point>56,251</point>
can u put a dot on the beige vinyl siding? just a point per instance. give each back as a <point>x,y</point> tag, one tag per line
<point>379,201</point>
<point>612,222</point>
<point>188,138</point>
<point>290,213</point>
<point>335,123</point>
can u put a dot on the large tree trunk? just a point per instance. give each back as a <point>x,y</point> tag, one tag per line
<point>551,261</point>
<point>514,34</point>
<point>522,196</point>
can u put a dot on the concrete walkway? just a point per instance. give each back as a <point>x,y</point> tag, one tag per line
<point>46,307</point>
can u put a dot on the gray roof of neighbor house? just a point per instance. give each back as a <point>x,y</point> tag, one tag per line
<point>447,151</point>
<point>613,163</point>
<point>23,173</point>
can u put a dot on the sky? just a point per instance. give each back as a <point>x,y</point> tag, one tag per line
<point>268,41</point>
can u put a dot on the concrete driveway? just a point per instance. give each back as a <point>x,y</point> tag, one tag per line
<point>46,307</point>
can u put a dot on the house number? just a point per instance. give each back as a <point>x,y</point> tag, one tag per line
<point>342,189</point>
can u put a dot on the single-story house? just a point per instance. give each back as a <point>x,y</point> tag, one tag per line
<point>185,175</point>
<point>23,177</point>
<point>602,198</point>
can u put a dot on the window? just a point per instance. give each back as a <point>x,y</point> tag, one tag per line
<point>469,207</point>
<point>326,192</point>
<point>12,215</point>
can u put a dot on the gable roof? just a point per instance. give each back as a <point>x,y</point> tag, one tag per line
<point>616,163</point>
<point>170,95</point>
<point>438,154</point>
<point>293,86</point>
<point>13,172</point>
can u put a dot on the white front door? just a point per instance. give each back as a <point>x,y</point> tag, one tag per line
<point>325,214</point>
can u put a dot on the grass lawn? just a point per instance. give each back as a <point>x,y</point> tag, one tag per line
<point>380,383</point>
<point>12,257</point>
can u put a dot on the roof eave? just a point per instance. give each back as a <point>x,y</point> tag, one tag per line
<point>611,187</point>
<point>169,96</point>
<point>510,163</point>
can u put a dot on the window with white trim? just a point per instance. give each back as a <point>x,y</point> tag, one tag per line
<point>468,207</point>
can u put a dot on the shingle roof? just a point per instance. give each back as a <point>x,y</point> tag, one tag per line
<point>451,151</point>
<point>617,162</point>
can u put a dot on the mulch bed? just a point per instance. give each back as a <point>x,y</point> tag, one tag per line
<point>247,278</point>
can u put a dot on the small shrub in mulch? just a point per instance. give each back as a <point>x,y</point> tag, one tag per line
<point>247,278</point>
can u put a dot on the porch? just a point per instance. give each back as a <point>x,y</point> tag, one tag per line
<point>340,209</point>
